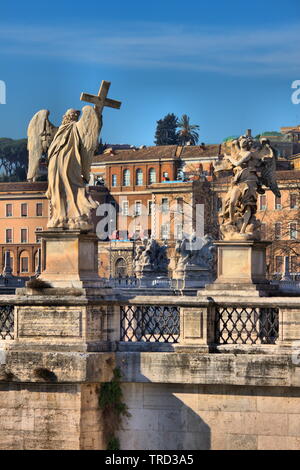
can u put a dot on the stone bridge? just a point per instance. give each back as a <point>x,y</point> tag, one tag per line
<point>196,372</point>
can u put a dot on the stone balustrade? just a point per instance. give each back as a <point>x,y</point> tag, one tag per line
<point>223,372</point>
<point>164,323</point>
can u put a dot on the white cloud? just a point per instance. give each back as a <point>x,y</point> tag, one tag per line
<point>155,45</point>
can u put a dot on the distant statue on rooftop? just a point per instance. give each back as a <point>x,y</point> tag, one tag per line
<point>196,251</point>
<point>151,256</point>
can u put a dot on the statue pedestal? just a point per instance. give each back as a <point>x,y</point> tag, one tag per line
<point>241,262</point>
<point>193,276</point>
<point>241,269</point>
<point>149,278</point>
<point>70,259</point>
<point>154,280</point>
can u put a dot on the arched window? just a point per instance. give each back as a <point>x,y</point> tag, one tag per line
<point>139,177</point>
<point>126,178</point>
<point>152,176</point>
<point>120,268</point>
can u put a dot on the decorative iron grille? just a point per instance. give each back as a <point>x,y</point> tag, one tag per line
<point>238,325</point>
<point>6,322</point>
<point>150,323</point>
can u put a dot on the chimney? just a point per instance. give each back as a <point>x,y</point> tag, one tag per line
<point>248,133</point>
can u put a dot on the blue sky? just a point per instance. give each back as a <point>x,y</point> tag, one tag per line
<point>228,65</point>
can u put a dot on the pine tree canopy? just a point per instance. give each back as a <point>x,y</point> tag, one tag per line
<point>166,130</point>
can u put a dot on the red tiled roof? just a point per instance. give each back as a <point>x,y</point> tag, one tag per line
<point>198,151</point>
<point>159,151</point>
<point>148,153</point>
<point>23,186</point>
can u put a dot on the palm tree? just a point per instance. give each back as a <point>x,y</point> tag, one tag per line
<point>188,132</point>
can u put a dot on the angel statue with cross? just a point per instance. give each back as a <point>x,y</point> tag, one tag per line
<point>70,149</point>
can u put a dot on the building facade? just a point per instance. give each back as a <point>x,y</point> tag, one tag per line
<point>162,192</point>
<point>24,212</point>
<point>165,192</point>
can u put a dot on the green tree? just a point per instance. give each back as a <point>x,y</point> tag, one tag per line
<point>166,130</point>
<point>13,159</point>
<point>188,132</point>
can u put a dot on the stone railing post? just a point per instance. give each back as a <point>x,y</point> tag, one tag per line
<point>197,329</point>
<point>70,323</point>
<point>289,327</point>
<point>111,327</point>
<point>62,351</point>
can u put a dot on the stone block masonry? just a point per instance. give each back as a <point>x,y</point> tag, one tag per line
<point>180,401</point>
<point>50,416</point>
<point>216,417</point>
<point>163,417</point>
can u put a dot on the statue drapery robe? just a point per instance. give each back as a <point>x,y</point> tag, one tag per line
<point>68,170</point>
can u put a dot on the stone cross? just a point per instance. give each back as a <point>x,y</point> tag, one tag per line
<point>101,99</point>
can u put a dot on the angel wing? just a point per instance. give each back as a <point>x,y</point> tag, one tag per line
<point>268,168</point>
<point>40,134</point>
<point>88,127</point>
<point>230,149</point>
<point>222,165</point>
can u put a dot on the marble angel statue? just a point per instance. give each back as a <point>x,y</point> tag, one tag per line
<point>150,255</point>
<point>70,149</point>
<point>253,164</point>
<point>40,134</point>
<point>197,251</point>
<point>69,160</point>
